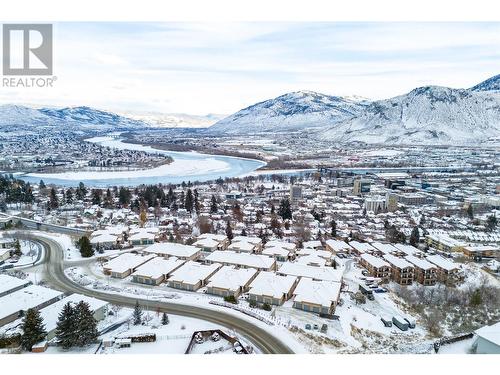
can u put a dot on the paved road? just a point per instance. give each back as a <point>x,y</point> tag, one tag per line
<point>54,275</point>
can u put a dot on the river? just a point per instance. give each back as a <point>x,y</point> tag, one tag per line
<point>187,166</point>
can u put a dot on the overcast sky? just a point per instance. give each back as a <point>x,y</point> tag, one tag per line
<point>221,68</point>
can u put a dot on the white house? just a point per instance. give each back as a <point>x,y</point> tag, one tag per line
<point>231,281</point>
<point>316,296</point>
<point>231,258</point>
<point>271,288</point>
<point>171,249</point>
<point>156,270</point>
<point>192,275</point>
<point>487,340</point>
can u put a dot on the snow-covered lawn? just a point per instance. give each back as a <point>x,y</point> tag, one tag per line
<point>172,338</point>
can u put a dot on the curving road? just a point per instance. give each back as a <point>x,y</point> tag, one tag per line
<point>55,276</point>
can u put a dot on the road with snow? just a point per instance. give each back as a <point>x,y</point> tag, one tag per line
<point>53,264</point>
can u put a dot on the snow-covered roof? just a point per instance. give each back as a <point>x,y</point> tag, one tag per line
<point>313,272</point>
<point>193,272</point>
<point>247,247</point>
<point>270,284</point>
<point>374,261</point>
<point>320,253</point>
<point>420,263</point>
<point>206,242</point>
<point>312,259</point>
<point>273,251</point>
<point>158,267</point>
<point>281,244</point>
<point>337,245</point>
<point>229,277</point>
<point>312,244</point>
<point>397,262</point>
<point>386,248</point>
<point>214,237</point>
<point>241,259</point>
<point>103,238</point>
<point>490,333</point>
<point>142,235</point>
<point>172,249</point>
<point>8,283</point>
<point>407,249</point>
<point>442,262</point>
<point>127,261</point>
<point>26,298</point>
<point>252,240</point>
<point>322,292</point>
<point>361,247</point>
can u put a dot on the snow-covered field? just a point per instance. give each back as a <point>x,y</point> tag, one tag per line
<point>172,338</point>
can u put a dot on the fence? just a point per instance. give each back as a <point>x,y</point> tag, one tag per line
<point>242,310</point>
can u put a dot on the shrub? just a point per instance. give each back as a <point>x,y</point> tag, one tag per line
<point>231,299</point>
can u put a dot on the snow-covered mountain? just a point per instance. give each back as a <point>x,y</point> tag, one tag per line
<point>429,115</point>
<point>175,120</point>
<point>21,118</point>
<point>491,84</point>
<point>293,111</point>
<point>426,115</point>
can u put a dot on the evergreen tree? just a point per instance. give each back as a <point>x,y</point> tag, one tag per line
<point>333,226</point>
<point>491,222</point>
<point>189,201</point>
<point>284,210</point>
<point>65,328</point>
<point>164,319</point>
<point>137,314</point>
<point>96,196</point>
<point>124,196</point>
<point>422,220</point>
<point>243,232</point>
<point>415,237</point>
<point>41,185</point>
<point>69,195</point>
<point>196,202</point>
<point>229,231</point>
<point>17,248</point>
<point>81,191</point>
<point>85,247</point>
<point>53,201</point>
<point>33,329</point>
<point>213,205</point>
<point>86,325</point>
<point>470,212</point>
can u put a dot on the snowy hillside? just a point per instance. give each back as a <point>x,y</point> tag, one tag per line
<point>491,84</point>
<point>175,120</point>
<point>292,111</point>
<point>429,115</point>
<point>15,118</point>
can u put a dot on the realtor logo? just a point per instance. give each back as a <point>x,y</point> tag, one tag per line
<point>27,50</point>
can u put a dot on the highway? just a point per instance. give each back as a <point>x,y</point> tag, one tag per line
<point>54,275</point>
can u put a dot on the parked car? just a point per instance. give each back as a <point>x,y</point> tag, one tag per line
<point>324,328</point>
<point>308,326</point>
<point>316,327</point>
<point>400,322</point>
<point>411,322</point>
<point>386,320</point>
<point>366,291</point>
<point>364,273</point>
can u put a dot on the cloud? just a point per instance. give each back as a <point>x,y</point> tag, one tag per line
<point>221,67</point>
